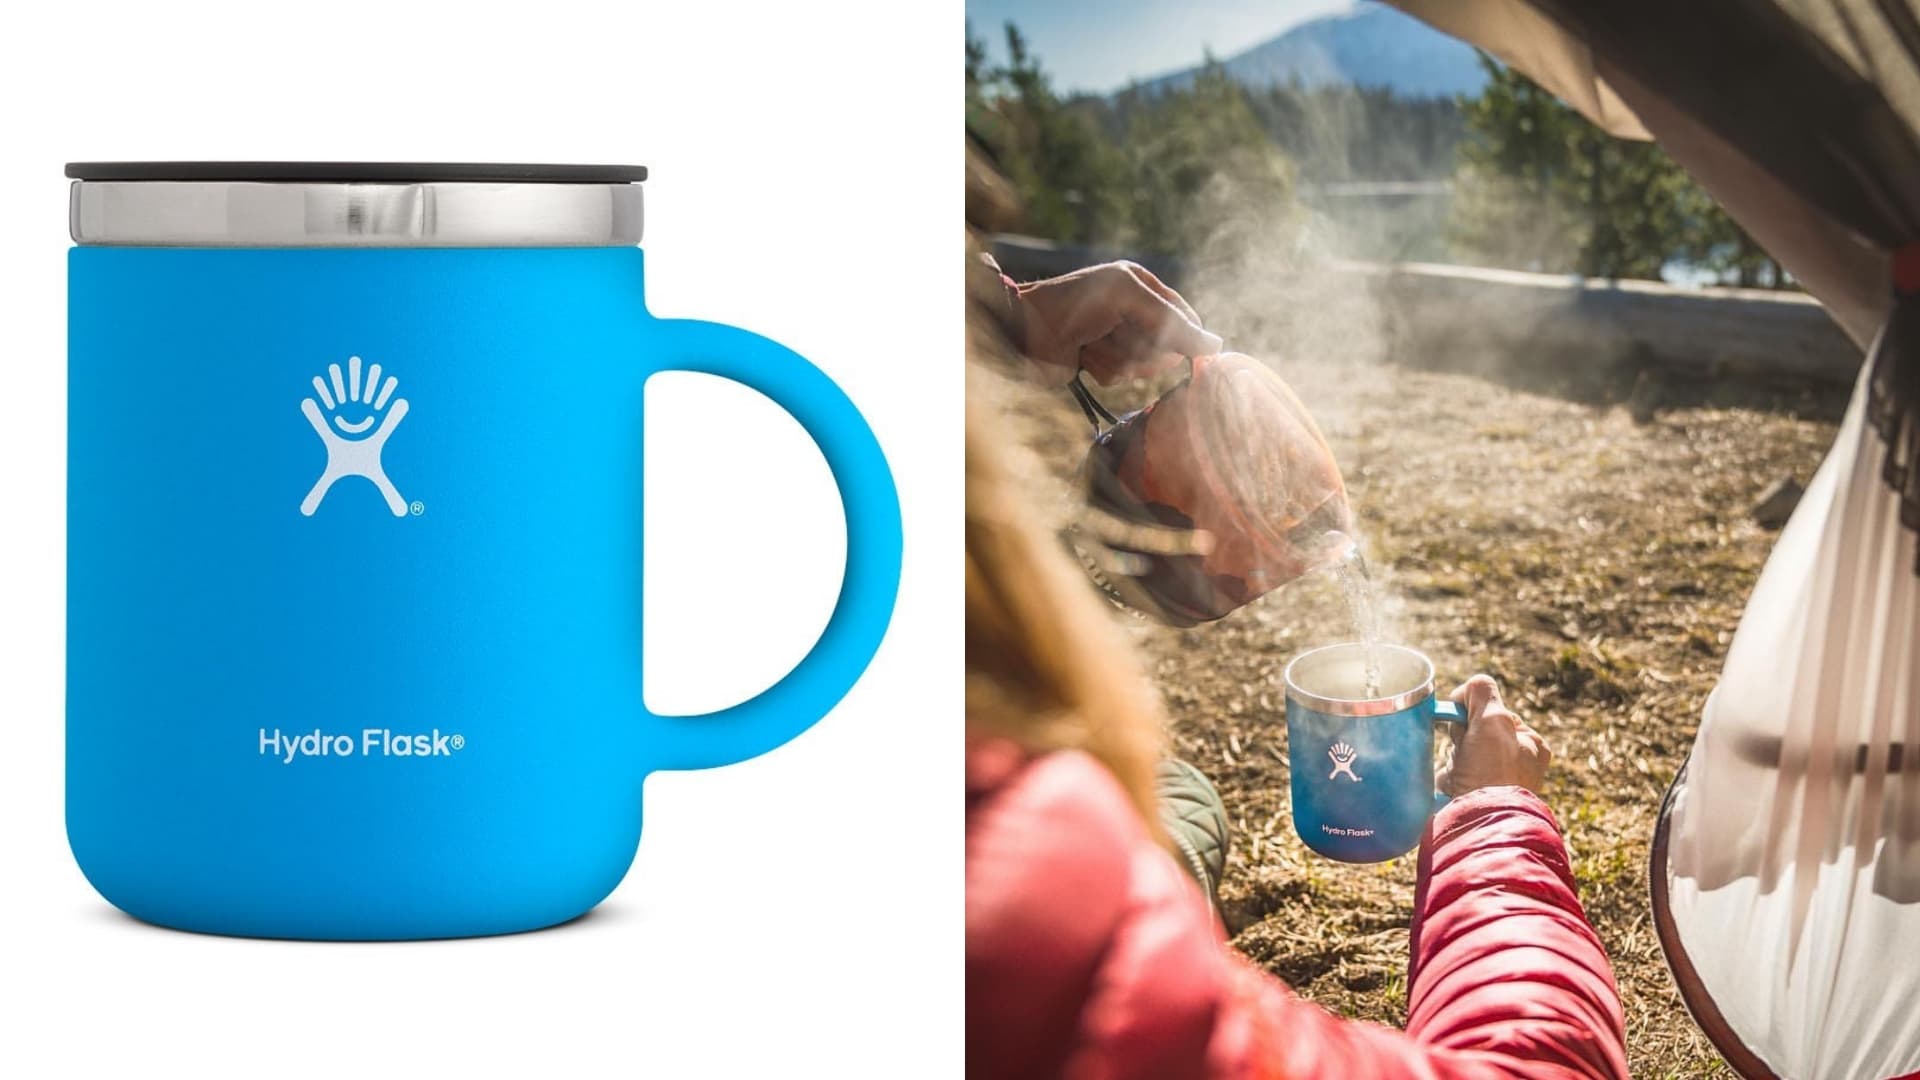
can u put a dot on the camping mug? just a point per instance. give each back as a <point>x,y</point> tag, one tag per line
<point>354,544</point>
<point>1363,765</point>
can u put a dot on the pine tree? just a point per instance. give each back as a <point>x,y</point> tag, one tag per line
<point>1208,180</point>
<point>1068,175</point>
<point>1541,188</point>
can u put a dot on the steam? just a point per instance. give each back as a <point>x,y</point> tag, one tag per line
<point>1283,288</point>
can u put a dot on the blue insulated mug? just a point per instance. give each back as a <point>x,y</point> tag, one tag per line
<point>354,544</point>
<point>1362,763</point>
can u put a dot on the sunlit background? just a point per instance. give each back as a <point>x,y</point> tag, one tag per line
<point>1565,442</point>
<point>1156,129</point>
<point>1102,47</point>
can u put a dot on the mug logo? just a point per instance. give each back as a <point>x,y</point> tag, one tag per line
<point>1342,756</point>
<point>353,450</point>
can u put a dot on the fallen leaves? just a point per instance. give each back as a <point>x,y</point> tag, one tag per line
<point>1595,566</point>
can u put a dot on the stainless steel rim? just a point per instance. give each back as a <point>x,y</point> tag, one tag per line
<point>149,213</point>
<point>1360,706</point>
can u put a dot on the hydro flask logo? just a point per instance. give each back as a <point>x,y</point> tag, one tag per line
<point>354,407</point>
<point>1342,756</point>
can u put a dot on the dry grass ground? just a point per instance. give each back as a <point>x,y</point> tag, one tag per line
<point>1596,566</point>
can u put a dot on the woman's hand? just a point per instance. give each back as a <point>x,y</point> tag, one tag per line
<point>1115,320</point>
<point>1497,748</point>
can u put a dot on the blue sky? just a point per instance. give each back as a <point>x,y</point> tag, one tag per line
<point>1100,44</point>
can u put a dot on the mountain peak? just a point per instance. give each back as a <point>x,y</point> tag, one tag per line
<point>1371,46</point>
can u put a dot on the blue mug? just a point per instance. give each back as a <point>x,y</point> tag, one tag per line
<point>354,545</point>
<point>1362,763</point>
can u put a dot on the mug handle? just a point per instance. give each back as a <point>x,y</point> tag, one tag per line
<point>1449,712</point>
<point>872,578</point>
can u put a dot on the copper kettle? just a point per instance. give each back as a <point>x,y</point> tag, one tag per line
<point>1228,466</point>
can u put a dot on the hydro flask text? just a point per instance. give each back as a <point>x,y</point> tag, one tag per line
<point>372,742</point>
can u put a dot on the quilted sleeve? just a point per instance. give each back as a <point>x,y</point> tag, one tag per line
<point>1503,960</point>
<point>1507,980</point>
<point>1091,956</point>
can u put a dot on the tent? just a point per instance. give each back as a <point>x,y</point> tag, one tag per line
<point>1785,872</point>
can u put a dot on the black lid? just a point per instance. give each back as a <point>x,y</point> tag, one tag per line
<point>354,172</point>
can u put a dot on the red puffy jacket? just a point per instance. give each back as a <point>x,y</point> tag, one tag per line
<point>1092,956</point>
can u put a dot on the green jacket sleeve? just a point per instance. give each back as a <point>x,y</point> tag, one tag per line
<point>1196,820</point>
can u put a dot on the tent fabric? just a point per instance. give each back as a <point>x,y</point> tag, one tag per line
<point>1791,875</point>
<point>1847,275</point>
<point>1786,863</point>
<point>1877,39</point>
<point>1837,260</point>
<point>1524,39</point>
<point>1754,74</point>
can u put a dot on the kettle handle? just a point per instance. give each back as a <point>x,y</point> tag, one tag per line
<point>867,591</point>
<point>1090,405</point>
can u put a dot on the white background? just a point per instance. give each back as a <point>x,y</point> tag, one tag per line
<point>795,915</point>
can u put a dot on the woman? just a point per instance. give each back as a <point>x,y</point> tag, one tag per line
<point>1090,953</point>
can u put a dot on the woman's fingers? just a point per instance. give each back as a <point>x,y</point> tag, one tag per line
<point>1476,694</point>
<point>1170,328</point>
<point>1164,291</point>
<point>1498,747</point>
<point>1125,353</point>
<point>1532,742</point>
<point>1116,320</point>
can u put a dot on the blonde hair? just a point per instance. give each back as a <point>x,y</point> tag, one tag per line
<point>1046,667</point>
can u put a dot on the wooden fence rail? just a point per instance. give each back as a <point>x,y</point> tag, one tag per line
<point>1466,318</point>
